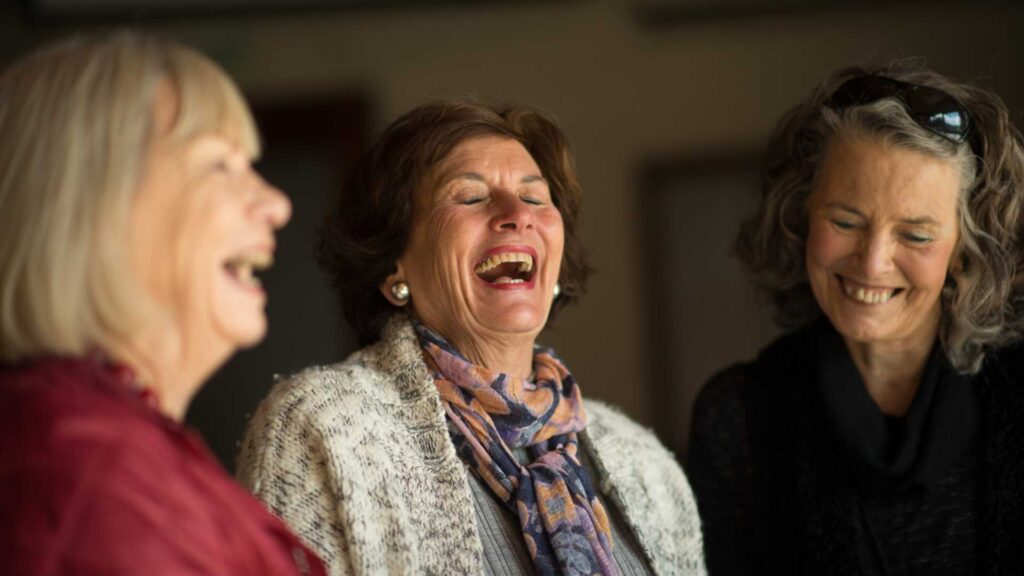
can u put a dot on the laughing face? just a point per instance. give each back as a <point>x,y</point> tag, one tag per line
<point>883,229</point>
<point>485,246</point>
<point>202,222</point>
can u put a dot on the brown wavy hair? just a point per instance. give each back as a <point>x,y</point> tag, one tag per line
<point>982,304</point>
<point>368,229</point>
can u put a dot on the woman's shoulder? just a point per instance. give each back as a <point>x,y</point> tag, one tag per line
<point>779,361</point>
<point>774,382</point>
<point>330,406</point>
<point>622,443</point>
<point>385,372</point>
<point>1001,387</point>
<point>1008,360</point>
<point>319,395</point>
<point>65,415</point>
<point>321,387</point>
<point>607,423</point>
<point>89,469</point>
<point>724,385</point>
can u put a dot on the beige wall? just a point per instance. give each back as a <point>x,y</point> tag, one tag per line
<point>624,92</point>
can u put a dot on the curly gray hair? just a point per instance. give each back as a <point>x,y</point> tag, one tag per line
<point>983,301</point>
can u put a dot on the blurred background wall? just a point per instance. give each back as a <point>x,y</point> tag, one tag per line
<point>667,106</point>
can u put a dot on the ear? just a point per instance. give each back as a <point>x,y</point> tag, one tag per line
<point>385,287</point>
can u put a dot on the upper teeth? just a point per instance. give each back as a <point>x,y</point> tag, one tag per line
<point>867,295</point>
<point>525,261</point>
<point>242,266</point>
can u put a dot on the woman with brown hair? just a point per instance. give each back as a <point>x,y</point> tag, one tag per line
<point>131,221</point>
<point>884,434</point>
<point>452,443</point>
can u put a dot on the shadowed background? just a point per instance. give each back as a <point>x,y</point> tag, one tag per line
<point>668,104</point>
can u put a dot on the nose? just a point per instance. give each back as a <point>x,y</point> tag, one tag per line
<point>876,255</point>
<point>511,213</point>
<point>272,203</point>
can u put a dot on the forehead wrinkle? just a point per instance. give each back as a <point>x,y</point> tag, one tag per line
<point>472,176</point>
<point>475,177</point>
<point>463,163</point>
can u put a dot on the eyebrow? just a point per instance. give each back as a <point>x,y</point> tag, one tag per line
<point>918,221</point>
<point>528,179</point>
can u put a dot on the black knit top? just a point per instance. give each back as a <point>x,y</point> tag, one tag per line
<point>795,469</point>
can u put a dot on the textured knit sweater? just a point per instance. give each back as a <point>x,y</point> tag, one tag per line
<point>357,458</point>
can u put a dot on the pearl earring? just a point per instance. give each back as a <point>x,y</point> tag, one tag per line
<point>400,290</point>
<point>558,289</point>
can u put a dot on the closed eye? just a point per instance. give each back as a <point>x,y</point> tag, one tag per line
<point>917,238</point>
<point>843,224</point>
<point>220,166</point>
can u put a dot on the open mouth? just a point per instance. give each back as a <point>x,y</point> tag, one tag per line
<point>506,268</point>
<point>867,294</point>
<point>245,268</point>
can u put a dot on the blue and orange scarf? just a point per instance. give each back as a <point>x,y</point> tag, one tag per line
<point>564,525</point>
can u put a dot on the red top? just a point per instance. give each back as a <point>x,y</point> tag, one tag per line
<point>93,480</point>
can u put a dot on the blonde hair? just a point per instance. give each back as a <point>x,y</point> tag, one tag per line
<point>76,122</point>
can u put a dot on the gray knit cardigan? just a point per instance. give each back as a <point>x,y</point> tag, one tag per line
<point>357,458</point>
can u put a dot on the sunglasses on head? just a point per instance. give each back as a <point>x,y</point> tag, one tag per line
<point>933,109</point>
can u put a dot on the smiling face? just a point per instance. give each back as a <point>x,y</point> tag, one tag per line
<point>485,246</point>
<point>202,221</point>
<point>883,229</point>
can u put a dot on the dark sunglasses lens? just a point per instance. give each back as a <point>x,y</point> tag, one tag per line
<point>939,112</point>
<point>930,107</point>
<point>952,125</point>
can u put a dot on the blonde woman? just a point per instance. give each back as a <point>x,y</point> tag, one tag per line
<point>131,221</point>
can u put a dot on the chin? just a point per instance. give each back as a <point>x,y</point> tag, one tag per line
<point>250,340</point>
<point>519,320</point>
<point>253,336</point>
<point>240,319</point>
<point>859,329</point>
<point>245,334</point>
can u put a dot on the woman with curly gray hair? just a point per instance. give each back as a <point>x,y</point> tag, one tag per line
<point>883,435</point>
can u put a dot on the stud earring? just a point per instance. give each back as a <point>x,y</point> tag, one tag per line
<point>400,290</point>
<point>558,289</point>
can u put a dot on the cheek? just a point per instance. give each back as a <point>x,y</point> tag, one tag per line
<point>553,230</point>
<point>203,236</point>
<point>435,243</point>
<point>449,232</point>
<point>824,247</point>
<point>929,268</point>
<point>160,246</point>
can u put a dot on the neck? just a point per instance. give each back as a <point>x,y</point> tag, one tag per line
<point>891,371</point>
<point>508,354</point>
<point>162,362</point>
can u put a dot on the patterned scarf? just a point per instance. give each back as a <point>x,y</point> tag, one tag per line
<point>565,526</point>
